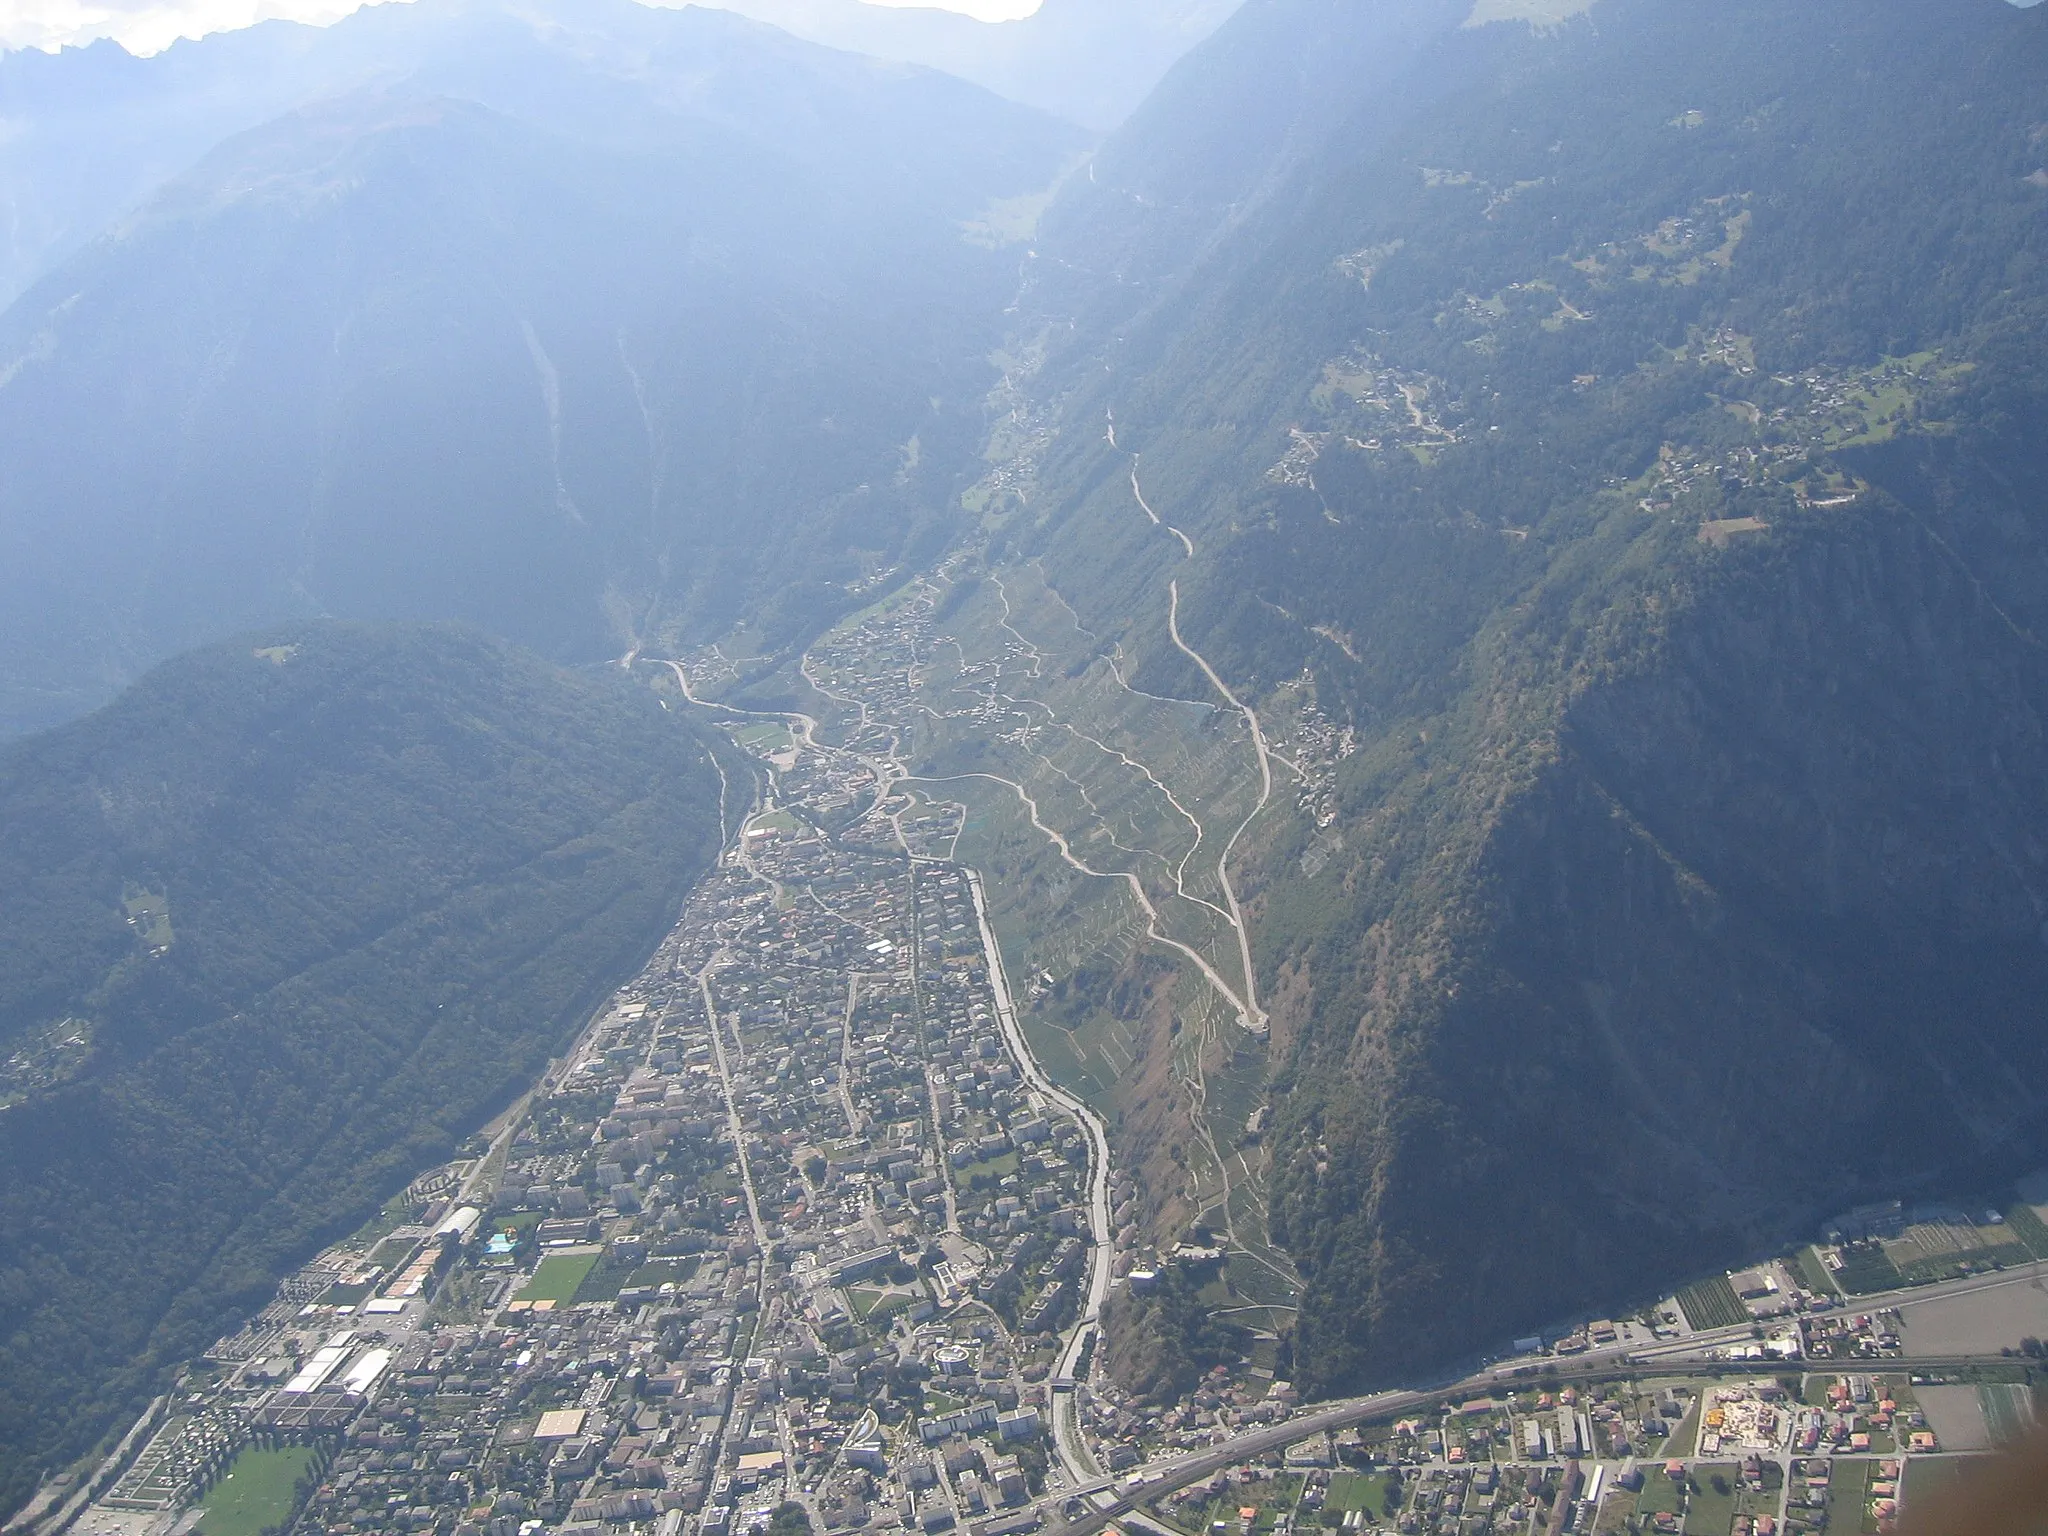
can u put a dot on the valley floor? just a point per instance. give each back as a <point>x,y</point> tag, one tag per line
<point>823,1208</point>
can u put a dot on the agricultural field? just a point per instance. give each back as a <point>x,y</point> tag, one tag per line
<point>2028,1229</point>
<point>765,738</point>
<point>1712,1304</point>
<point>2008,1412</point>
<point>1866,1268</point>
<point>1941,1250</point>
<point>1932,1478</point>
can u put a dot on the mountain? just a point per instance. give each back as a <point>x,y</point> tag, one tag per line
<point>1625,423</point>
<point>1089,61</point>
<point>1603,438</point>
<point>580,328</point>
<point>94,132</point>
<point>285,922</point>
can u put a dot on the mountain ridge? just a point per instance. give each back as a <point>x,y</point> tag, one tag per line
<point>561,373</point>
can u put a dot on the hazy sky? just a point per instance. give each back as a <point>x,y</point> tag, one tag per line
<point>145,26</point>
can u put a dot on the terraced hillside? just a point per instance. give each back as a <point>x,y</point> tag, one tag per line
<point>1618,441</point>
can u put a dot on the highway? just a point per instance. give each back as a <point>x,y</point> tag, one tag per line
<point>1108,1498</point>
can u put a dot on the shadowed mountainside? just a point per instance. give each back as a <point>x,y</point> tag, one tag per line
<point>1631,431</point>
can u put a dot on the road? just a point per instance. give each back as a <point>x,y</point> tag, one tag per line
<point>1255,1014</point>
<point>1884,1301</point>
<point>1110,1498</point>
<point>1083,1477</point>
<point>1067,1440</point>
<point>1074,1457</point>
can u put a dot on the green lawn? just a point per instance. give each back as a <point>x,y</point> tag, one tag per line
<point>1848,1497</point>
<point>1617,1511</point>
<point>1685,1435</point>
<point>871,1303</point>
<point>559,1278</point>
<point>1815,1274</point>
<point>258,1493</point>
<point>1658,1495</point>
<point>604,1281</point>
<point>1358,1490</point>
<point>995,1169</point>
<point>1754,1502</point>
<point>1711,1509</point>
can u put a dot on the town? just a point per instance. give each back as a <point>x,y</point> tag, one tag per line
<point>799,1236</point>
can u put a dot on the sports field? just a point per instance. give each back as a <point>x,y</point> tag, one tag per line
<point>257,1493</point>
<point>559,1277</point>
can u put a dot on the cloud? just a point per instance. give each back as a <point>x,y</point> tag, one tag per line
<point>150,26</point>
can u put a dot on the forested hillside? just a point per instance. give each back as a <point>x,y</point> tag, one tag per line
<point>285,922</point>
<point>1632,429</point>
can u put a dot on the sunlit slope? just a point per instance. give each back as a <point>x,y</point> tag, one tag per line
<point>282,924</point>
<point>1626,434</point>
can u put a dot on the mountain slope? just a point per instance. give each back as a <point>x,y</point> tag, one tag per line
<point>1630,431</point>
<point>285,921</point>
<point>95,132</point>
<point>701,297</point>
